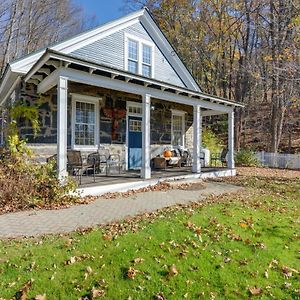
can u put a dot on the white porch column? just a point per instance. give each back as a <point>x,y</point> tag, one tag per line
<point>197,128</point>
<point>62,106</point>
<point>230,158</point>
<point>146,170</point>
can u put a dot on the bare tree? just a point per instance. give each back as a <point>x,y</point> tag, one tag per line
<point>28,25</point>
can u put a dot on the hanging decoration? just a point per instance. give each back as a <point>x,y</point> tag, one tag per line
<point>115,114</point>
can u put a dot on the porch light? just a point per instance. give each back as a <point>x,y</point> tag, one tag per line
<point>152,107</point>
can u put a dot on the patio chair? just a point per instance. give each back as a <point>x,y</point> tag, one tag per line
<point>77,167</point>
<point>186,158</point>
<point>108,160</point>
<point>52,158</point>
<point>215,157</point>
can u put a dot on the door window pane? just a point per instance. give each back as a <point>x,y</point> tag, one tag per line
<point>135,125</point>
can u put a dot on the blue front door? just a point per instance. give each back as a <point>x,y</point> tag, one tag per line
<point>134,142</point>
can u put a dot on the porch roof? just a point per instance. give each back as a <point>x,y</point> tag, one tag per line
<point>56,63</point>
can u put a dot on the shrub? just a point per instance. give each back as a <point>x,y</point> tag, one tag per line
<point>211,141</point>
<point>246,158</point>
<point>24,185</point>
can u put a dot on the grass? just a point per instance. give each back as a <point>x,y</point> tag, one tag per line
<point>232,247</point>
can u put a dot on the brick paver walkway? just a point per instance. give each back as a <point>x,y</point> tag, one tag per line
<point>34,223</point>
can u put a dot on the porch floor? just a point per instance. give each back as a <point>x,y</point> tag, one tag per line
<point>134,175</point>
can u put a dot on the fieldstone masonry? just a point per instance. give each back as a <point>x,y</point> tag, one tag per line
<point>44,143</point>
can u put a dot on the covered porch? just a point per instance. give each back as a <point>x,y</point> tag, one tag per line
<point>63,72</point>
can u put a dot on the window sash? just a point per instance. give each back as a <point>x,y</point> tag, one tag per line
<point>178,130</point>
<point>147,55</point>
<point>146,70</point>
<point>139,57</point>
<point>85,124</point>
<point>133,50</point>
<point>133,66</point>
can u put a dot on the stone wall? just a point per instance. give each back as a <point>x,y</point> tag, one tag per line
<point>161,119</point>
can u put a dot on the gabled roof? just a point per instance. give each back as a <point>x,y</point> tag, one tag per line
<point>22,66</point>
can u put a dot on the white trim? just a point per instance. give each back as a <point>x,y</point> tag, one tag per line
<point>102,81</point>
<point>140,43</point>
<point>231,163</point>
<point>149,81</point>
<point>85,99</point>
<point>10,91</point>
<point>146,151</point>
<point>62,127</point>
<point>179,113</point>
<point>197,135</point>
<point>134,104</point>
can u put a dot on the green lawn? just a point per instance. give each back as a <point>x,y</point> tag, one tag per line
<point>232,247</point>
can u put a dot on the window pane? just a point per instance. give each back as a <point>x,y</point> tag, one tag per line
<point>132,50</point>
<point>146,54</point>
<point>85,123</point>
<point>132,66</point>
<point>146,71</point>
<point>178,130</point>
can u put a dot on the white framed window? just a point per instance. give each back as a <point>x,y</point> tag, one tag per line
<point>134,108</point>
<point>85,122</point>
<point>146,60</point>
<point>178,128</point>
<point>139,56</point>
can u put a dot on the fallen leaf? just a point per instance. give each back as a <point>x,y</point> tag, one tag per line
<point>131,273</point>
<point>255,291</point>
<point>22,293</point>
<point>226,260</point>
<point>266,274</point>
<point>243,225</point>
<point>96,293</point>
<point>173,271</point>
<point>138,260</point>
<point>160,296</point>
<point>40,297</point>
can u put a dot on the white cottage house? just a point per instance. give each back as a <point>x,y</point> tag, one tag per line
<point>121,86</point>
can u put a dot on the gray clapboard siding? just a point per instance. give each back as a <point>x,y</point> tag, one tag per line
<point>110,51</point>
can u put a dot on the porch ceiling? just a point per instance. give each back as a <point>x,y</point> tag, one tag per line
<point>53,64</point>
